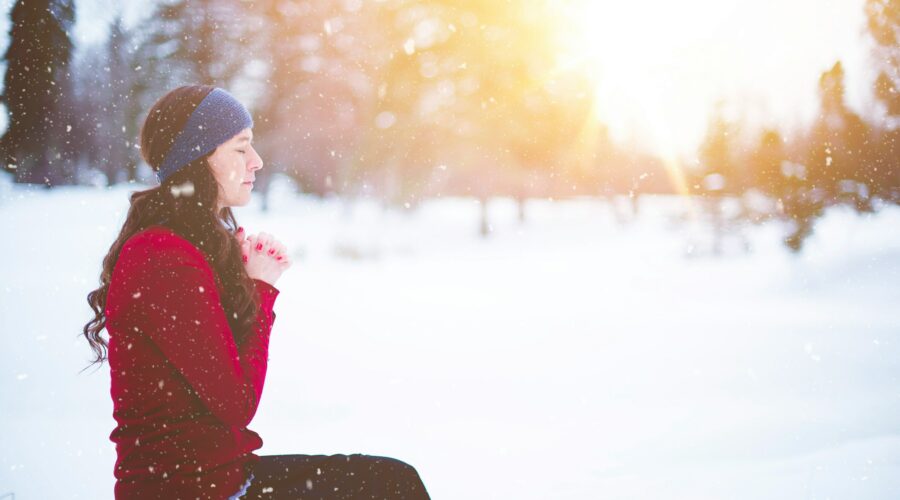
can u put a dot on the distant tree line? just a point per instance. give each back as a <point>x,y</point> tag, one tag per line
<point>413,99</point>
<point>843,159</point>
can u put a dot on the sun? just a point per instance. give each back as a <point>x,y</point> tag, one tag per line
<point>634,53</point>
<point>660,67</point>
<point>638,54</point>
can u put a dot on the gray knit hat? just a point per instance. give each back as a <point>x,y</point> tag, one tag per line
<point>217,118</point>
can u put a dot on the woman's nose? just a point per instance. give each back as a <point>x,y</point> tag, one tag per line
<point>257,162</point>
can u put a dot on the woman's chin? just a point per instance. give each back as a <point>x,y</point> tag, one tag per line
<point>241,200</point>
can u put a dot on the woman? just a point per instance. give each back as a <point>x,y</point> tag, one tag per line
<point>187,299</point>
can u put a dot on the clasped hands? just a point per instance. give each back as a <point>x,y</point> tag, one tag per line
<point>265,258</point>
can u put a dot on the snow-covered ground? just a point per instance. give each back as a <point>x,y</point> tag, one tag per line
<point>570,357</point>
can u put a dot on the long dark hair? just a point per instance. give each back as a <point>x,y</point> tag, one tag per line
<point>186,202</point>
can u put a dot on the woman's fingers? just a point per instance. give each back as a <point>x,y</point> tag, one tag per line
<point>246,246</point>
<point>269,246</point>
<point>263,241</point>
<point>265,244</point>
<point>277,250</point>
<point>262,244</point>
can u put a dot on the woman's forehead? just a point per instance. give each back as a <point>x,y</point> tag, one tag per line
<point>243,135</point>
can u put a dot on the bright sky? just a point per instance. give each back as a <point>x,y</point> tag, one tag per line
<point>660,65</point>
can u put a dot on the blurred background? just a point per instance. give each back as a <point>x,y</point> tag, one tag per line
<point>544,248</point>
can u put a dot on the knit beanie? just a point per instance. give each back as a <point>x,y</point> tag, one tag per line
<point>217,118</point>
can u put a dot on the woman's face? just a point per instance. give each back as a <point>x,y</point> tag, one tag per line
<point>234,164</point>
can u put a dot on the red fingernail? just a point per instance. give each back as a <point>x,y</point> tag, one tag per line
<point>279,257</point>
<point>244,257</point>
<point>259,246</point>
<point>271,251</point>
<point>240,229</point>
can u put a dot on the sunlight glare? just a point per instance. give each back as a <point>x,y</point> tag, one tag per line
<point>659,66</point>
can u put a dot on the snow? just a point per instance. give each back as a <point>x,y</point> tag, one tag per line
<point>570,357</point>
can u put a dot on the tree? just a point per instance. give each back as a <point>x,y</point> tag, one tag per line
<point>316,59</point>
<point>883,22</point>
<point>105,83</point>
<point>766,164</point>
<point>471,101</point>
<point>720,168</point>
<point>883,18</point>
<point>838,158</point>
<point>201,41</point>
<point>181,43</point>
<point>836,164</point>
<point>37,145</point>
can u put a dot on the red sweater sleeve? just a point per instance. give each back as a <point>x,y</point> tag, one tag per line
<point>181,312</point>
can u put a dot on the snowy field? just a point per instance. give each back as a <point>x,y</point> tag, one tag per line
<point>569,357</point>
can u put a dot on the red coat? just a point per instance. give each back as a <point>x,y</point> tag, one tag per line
<point>183,392</point>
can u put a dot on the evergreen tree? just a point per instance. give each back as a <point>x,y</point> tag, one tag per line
<point>766,164</point>
<point>37,145</point>
<point>201,42</point>
<point>838,160</point>
<point>181,43</point>
<point>883,18</point>
<point>720,170</point>
<point>116,82</point>
<point>126,84</point>
<point>836,166</point>
<point>317,57</point>
<point>90,84</point>
<point>458,97</point>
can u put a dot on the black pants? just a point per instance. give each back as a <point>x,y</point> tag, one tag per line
<point>334,476</point>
